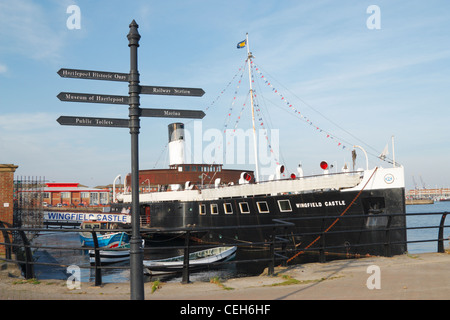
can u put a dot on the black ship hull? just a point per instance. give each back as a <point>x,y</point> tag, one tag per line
<point>367,222</point>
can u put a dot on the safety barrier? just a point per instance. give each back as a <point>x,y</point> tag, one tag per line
<point>277,248</point>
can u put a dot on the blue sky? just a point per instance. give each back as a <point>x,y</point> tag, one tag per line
<point>355,85</point>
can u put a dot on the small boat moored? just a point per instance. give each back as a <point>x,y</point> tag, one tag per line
<point>197,260</point>
<point>111,256</point>
<point>106,236</point>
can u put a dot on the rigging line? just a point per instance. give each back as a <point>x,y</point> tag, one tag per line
<point>261,122</point>
<point>226,87</point>
<point>240,71</point>
<point>335,221</point>
<point>225,128</point>
<point>274,90</point>
<point>230,110</point>
<point>160,155</point>
<point>309,123</point>
<point>262,119</point>
<point>320,113</point>
<point>257,95</point>
<point>386,159</point>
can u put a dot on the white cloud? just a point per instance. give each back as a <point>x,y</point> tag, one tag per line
<point>3,68</point>
<point>27,29</point>
<point>16,122</point>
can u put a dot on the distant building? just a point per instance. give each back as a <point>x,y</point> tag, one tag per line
<point>74,195</point>
<point>436,194</point>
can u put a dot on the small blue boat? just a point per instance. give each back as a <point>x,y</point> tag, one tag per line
<point>106,235</point>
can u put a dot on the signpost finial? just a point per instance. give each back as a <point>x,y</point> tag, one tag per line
<point>133,36</point>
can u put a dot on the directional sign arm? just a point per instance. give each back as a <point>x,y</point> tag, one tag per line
<point>172,91</point>
<point>172,113</point>
<point>93,75</point>
<point>93,122</point>
<point>92,98</point>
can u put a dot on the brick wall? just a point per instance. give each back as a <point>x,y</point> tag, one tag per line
<point>6,197</point>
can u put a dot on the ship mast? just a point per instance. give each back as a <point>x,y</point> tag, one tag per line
<point>255,148</point>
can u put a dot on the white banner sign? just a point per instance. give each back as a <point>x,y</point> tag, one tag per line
<point>78,216</point>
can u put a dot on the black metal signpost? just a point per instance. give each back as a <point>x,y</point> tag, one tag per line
<point>133,123</point>
<point>136,252</point>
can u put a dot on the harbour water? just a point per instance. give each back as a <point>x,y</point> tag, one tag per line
<point>80,258</point>
<point>426,221</point>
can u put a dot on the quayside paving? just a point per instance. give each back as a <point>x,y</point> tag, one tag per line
<point>405,277</point>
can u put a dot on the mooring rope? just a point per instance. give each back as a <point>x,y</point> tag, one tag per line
<point>335,221</point>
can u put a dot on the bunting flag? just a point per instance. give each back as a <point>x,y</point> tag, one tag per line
<point>225,89</point>
<point>241,44</point>
<point>261,123</point>
<point>296,111</point>
<point>230,110</point>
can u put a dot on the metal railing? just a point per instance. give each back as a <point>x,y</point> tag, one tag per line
<point>27,260</point>
<point>277,248</point>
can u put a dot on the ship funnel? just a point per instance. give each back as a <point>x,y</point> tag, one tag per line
<point>176,143</point>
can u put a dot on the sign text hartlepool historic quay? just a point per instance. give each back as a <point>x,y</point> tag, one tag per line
<point>93,75</point>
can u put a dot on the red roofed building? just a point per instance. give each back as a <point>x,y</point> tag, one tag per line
<point>74,195</point>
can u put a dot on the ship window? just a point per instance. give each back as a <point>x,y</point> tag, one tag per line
<point>262,207</point>
<point>244,207</point>
<point>228,208</point>
<point>202,209</point>
<point>214,209</point>
<point>284,205</point>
